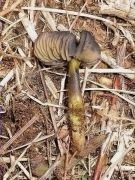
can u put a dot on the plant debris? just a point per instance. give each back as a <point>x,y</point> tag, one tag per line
<point>35,135</point>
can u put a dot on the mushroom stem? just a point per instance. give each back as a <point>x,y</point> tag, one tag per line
<point>76,108</point>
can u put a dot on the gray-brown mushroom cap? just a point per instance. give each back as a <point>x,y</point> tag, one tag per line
<point>88,50</point>
<point>57,46</point>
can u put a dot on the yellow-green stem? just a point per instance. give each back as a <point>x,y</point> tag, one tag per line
<point>76,107</point>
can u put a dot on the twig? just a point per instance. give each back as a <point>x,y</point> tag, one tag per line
<point>119,70</point>
<point>17,175</point>
<point>52,72</point>
<point>86,76</point>
<point>60,11</point>
<point>5,20</point>
<point>32,4</point>
<point>116,34</point>
<point>107,89</point>
<point>23,55</point>
<point>112,63</point>
<point>24,170</point>
<point>67,15</point>
<point>41,103</point>
<point>99,71</point>
<point>8,160</point>
<point>17,76</point>
<point>61,94</point>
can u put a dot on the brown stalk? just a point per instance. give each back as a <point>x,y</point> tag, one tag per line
<point>73,159</point>
<point>76,107</point>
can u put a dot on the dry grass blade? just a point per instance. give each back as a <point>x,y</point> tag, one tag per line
<point>41,103</point>
<point>73,23</point>
<point>117,94</point>
<point>28,25</point>
<point>52,115</point>
<point>14,56</point>
<point>125,72</point>
<point>51,86</point>
<point>85,80</point>
<point>6,79</point>
<point>11,8</point>
<point>32,3</point>
<point>50,20</point>
<point>24,170</point>
<point>87,72</point>
<point>50,170</point>
<point>24,128</point>
<point>8,160</point>
<point>119,159</point>
<point>23,55</point>
<point>42,138</point>
<point>6,4</point>
<point>11,169</point>
<point>11,25</point>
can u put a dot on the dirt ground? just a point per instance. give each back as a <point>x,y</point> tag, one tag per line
<point>34,127</point>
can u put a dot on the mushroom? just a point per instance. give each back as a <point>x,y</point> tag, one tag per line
<point>56,47</point>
